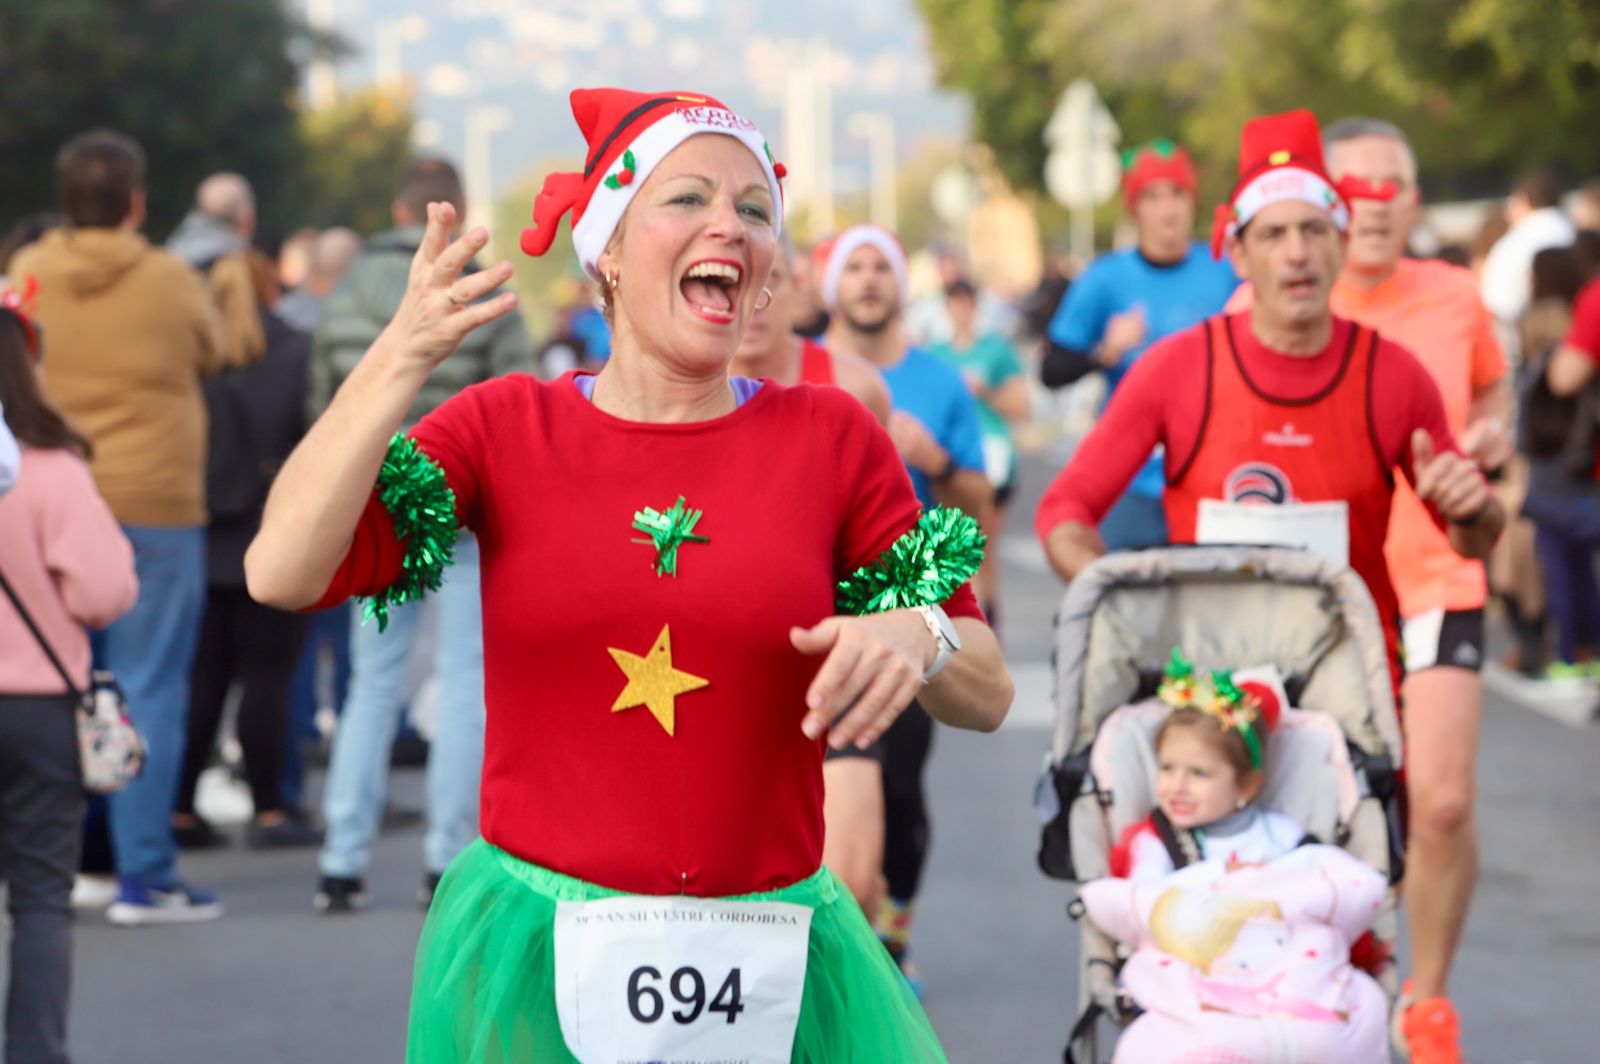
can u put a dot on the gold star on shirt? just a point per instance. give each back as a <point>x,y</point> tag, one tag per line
<point>653,682</point>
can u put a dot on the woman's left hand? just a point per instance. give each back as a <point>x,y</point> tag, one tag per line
<point>874,668</point>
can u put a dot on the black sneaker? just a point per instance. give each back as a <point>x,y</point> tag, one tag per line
<point>286,834</point>
<point>199,835</point>
<point>430,886</point>
<point>340,894</point>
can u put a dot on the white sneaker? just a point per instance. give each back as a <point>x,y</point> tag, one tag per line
<point>179,903</point>
<point>93,892</point>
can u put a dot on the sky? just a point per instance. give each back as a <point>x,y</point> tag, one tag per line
<point>526,55</point>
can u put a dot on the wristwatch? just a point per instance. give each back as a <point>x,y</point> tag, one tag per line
<point>944,633</point>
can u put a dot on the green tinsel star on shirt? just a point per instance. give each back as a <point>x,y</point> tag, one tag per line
<point>668,531</point>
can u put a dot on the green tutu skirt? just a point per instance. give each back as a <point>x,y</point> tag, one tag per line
<point>483,991</point>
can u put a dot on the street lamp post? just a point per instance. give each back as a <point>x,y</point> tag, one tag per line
<point>482,124</point>
<point>322,81</point>
<point>392,36</point>
<point>820,61</point>
<point>877,129</point>
<point>799,129</point>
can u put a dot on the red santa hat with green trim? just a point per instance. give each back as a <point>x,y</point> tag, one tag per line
<point>1280,158</point>
<point>629,133</point>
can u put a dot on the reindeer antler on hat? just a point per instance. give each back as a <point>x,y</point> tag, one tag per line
<point>1280,158</point>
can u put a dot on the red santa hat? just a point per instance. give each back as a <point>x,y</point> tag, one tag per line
<point>1159,160</point>
<point>629,133</point>
<point>1280,158</point>
<point>848,243</point>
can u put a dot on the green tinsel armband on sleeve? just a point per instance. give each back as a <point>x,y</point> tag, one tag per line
<point>921,568</point>
<point>412,487</point>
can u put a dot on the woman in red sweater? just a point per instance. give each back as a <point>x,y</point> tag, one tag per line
<point>63,557</point>
<point>664,646</point>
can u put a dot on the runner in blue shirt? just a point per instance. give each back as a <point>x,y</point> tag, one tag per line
<point>877,819</point>
<point>1126,300</point>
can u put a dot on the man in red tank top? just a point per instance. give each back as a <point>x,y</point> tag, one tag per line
<point>771,349</point>
<point>1284,404</point>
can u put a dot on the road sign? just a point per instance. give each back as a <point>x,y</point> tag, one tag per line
<point>1080,120</point>
<point>1082,180</point>
<point>1082,170</point>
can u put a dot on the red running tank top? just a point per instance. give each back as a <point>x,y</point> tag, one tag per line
<point>1253,447</point>
<point>816,363</point>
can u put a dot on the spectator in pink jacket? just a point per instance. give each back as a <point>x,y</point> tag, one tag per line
<point>65,560</point>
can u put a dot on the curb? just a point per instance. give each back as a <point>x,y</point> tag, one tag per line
<point>1575,703</point>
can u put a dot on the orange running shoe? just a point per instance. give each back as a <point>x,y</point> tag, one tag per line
<point>1432,1030</point>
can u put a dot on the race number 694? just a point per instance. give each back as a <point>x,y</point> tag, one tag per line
<point>687,986</point>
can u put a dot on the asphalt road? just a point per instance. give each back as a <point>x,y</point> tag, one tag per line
<point>272,982</point>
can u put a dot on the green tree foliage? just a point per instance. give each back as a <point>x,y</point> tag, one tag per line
<point>203,85</point>
<point>354,152</point>
<point>995,52</point>
<point>1485,88</point>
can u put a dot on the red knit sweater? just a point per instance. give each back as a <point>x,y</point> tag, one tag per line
<point>799,486</point>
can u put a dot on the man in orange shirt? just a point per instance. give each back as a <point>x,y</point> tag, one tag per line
<point>1433,309</point>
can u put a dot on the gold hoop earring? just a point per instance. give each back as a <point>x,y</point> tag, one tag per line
<point>765,292</point>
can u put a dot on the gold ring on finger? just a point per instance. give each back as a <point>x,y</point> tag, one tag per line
<point>450,294</point>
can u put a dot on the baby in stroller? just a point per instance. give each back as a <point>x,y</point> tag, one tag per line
<point>1239,922</point>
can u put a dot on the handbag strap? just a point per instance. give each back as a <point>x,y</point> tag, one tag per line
<point>44,644</point>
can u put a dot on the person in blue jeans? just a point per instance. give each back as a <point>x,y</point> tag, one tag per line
<point>353,796</point>
<point>150,650</point>
<point>875,809</point>
<point>1127,300</point>
<point>132,332</point>
<point>330,630</point>
<point>358,771</point>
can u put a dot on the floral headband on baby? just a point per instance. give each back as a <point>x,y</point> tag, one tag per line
<point>1251,709</point>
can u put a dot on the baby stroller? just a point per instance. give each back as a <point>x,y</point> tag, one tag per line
<point>1331,765</point>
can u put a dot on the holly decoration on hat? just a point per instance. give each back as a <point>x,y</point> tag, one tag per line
<point>624,176</point>
<point>1160,147</point>
<point>1178,686</point>
<point>778,169</point>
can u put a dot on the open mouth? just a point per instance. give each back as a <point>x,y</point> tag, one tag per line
<point>1300,287</point>
<point>711,288</point>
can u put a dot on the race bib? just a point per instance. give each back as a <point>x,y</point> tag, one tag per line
<point>680,980</point>
<point>1323,528</point>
